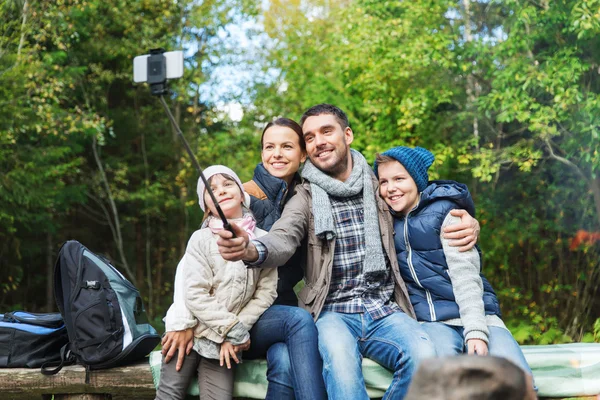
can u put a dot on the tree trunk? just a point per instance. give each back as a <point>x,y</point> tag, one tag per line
<point>593,183</point>
<point>471,88</point>
<point>23,24</point>
<point>182,193</point>
<point>118,237</point>
<point>139,253</point>
<point>595,187</point>
<point>49,273</point>
<point>159,267</point>
<point>148,236</point>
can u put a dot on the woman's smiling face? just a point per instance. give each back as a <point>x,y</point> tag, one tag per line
<point>281,152</point>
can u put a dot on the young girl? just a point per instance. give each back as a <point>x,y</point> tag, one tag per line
<point>457,305</point>
<point>285,334</point>
<point>221,299</point>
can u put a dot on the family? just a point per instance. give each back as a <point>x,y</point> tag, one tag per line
<point>388,259</point>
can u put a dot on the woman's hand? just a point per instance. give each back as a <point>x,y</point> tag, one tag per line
<point>477,346</point>
<point>466,233</point>
<point>227,352</point>
<point>181,341</point>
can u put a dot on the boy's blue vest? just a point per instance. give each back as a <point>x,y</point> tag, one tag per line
<point>421,256</point>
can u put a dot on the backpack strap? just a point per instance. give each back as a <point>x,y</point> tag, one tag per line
<point>254,190</point>
<point>66,358</point>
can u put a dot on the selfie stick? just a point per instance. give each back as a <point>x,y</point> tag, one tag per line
<point>158,87</point>
<point>226,224</point>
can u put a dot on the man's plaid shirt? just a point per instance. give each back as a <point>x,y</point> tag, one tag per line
<point>349,292</point>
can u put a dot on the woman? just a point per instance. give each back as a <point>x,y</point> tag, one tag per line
<point>285,333</point>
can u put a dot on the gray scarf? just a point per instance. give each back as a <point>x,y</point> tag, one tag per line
<point>322,186</point>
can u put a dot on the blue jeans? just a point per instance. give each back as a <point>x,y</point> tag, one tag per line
<point>288,337</point>
<point>396,342</point>
<point>450,340</point>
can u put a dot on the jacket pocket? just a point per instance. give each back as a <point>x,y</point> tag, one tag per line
<point>307,295</point>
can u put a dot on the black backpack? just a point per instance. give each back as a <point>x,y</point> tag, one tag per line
<point>30,340</point>
<point>104,314</point>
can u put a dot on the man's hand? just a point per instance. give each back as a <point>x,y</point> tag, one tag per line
<point>466,233</point>
<point>182,341</point>
<point>477,346</point>
<point>242,347</point>
<point>236,248</point>
<point>227,351</point>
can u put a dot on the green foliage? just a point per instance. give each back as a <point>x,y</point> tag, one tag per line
<point>86,155</point>
<point>525,332</point>
<point>506,94</point>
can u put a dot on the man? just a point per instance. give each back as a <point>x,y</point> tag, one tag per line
<point>353,288</point>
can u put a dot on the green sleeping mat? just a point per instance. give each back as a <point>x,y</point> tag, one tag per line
<point>560,370</point>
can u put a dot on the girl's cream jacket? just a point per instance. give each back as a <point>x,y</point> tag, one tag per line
<point>213,294</point>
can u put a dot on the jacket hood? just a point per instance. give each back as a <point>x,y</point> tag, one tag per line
<point>448,190</point>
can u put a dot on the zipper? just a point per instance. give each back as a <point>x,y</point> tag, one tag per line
<point>79,273</point>
<point>414,273</point>
<point>281,204</point>
<point>239,307</point>
<point>52,321</point>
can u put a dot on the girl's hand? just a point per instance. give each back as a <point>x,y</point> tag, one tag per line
<point>228,350</point>
<point>477,346</point>
<point>242,347</point>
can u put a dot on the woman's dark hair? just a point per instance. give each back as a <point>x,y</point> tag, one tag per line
<point>288,123</point>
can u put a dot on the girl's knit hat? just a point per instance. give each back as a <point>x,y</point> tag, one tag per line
<point>215,170</point>
<point>416,161</point>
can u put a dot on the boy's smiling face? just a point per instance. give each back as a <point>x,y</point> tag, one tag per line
<point>397,188</point>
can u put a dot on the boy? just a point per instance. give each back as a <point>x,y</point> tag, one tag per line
<point>456,305</point>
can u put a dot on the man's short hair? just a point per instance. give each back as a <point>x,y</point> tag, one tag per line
<point>329,109</point>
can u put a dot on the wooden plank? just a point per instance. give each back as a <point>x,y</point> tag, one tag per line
<point>129,382</point>
<point>76,397</point>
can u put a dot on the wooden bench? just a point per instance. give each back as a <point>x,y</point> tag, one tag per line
<point>560,371</point>
<point>131,382</point>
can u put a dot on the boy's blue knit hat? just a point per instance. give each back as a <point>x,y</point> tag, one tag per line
<point>416,161</point>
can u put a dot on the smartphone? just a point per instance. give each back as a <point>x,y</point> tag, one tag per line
<point>171,67</point>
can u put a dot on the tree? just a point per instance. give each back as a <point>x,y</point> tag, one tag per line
<point>504,93</point>
<point>87,155</point>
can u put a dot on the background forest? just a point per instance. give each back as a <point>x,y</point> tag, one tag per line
<point>505,93</point>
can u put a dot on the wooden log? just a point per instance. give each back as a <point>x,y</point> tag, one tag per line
<point>76,397</point>
<point>130,382</point>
